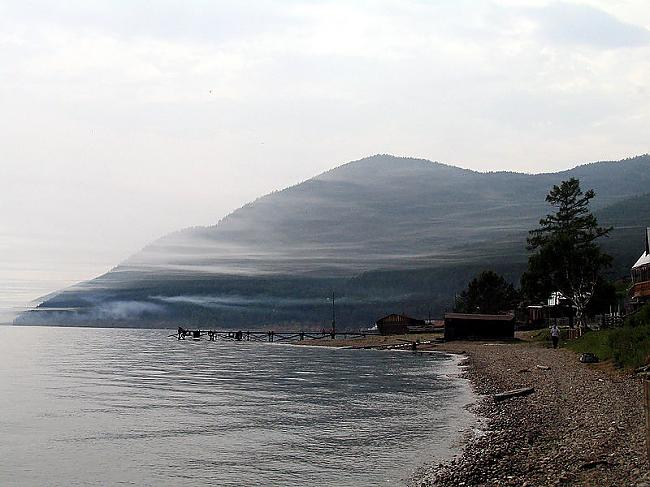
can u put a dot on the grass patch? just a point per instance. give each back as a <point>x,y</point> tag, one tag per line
<point>539,335</point>
<point>628,346</point>
<point>596,342</point>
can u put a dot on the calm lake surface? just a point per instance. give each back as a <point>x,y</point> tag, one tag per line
<point>84,406</point>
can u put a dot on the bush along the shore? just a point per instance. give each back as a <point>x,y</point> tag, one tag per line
<point>628,346</point>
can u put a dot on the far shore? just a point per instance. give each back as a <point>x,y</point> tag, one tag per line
<point>583,425</point>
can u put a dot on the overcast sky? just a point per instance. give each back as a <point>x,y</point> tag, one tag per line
<point>121,121</point>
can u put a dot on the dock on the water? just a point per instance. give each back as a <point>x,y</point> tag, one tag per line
<point>269,336</point>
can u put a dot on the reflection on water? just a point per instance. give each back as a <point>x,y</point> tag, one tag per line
<point>108,406</point>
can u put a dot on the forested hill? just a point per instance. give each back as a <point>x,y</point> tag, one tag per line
<point>382,212</point>
<point>387,233</point>
<point>630,218</point>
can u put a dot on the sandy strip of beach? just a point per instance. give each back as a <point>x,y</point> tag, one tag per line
<point>583,425</point>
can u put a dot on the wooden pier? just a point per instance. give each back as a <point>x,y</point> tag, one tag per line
<point>269,336</point>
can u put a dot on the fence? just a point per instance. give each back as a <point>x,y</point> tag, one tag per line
<point>605,321</point>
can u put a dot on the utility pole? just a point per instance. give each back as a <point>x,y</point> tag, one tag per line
<point>333,317</point>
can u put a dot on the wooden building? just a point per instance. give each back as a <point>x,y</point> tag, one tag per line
<point>557,309</point>
<point>640,290</point>
<point>400,324</point>
<point>463,326</point>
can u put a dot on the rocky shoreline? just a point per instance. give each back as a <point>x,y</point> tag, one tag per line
<point>583,425</point>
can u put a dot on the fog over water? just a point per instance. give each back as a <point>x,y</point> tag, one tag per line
<point>98,407</point>
<point>123,122</point>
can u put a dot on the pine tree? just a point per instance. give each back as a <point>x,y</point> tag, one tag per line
<point>565,256</point>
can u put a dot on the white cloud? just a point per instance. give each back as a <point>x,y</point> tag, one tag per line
<point>573,24</point>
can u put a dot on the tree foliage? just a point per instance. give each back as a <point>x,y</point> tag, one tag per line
<point>565,256</point>
<point>604,299</point>
<point>487,293</point>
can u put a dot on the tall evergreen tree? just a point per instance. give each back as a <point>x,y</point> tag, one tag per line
<point>565,256</point>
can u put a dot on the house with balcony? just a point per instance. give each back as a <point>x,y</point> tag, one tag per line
<point>640,290</point>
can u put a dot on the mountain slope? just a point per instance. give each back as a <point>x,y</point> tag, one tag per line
<point>384,232</point>
<point>630,218</point>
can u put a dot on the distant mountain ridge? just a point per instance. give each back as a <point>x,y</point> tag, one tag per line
<point>340,219</point>
<point>274,259</point>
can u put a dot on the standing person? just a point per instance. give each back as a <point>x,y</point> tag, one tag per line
<point>555,335</point>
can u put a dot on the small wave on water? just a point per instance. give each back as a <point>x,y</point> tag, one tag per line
<point>84,406</point>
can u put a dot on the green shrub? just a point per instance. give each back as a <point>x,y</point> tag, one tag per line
<point>630,345</point>
<point>641,317</point>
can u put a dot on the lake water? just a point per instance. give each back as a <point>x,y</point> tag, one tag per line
<point>84,406</point>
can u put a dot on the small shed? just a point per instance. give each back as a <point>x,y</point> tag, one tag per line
<point>395,324</point>
<point>465,326</point>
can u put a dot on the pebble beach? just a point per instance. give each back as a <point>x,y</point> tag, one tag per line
<point>584,424</point>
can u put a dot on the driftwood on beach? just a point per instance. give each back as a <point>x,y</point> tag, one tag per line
<point>514,393</point>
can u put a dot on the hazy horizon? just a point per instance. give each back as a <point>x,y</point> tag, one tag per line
<point>124,123</point>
